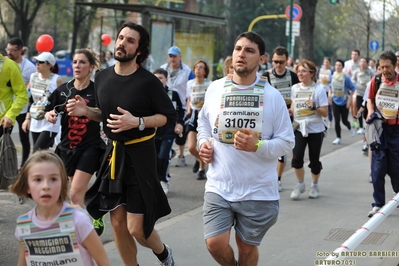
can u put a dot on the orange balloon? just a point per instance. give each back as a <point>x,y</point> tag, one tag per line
<point>106,39</point>
<point>44,43</point>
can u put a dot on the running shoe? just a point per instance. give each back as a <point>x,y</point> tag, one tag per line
<point>373,211</point>
<point>337,141</point>
<point>201,175</point>
<point>196,166</point>
<point>314,192</point>
<point>169,261</point>
<point>300,188</point>
<point>21,200</point>
<point>181,161</point>
<point>99,226</point>
<point>280,187</point>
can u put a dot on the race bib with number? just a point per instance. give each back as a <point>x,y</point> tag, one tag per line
<point>301,108</point>
<point>387,100</point>
<point>54,245</point>
<point>283,85</point>
<point>324,76</point>
<point>198,94</point>
<point>338,88</point>
<point>239,109</point>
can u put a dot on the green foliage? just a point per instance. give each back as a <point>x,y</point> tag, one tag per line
<point>339,28</point>
<point>241,13</point>
<point>342,28</point>
<point>58,24</point>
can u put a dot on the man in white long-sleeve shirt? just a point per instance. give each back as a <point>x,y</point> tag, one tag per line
<point>243,128</point>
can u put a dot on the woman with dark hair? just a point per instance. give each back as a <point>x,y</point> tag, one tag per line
<point>41,85</point>
<point>81,145</point>
<point>196,89</point>
<point>340,96</point>
<point>309,106</point>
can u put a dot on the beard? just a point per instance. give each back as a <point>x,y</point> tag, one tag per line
<point>126,57</point>
<point>389,75</point>
<point>244,71</point>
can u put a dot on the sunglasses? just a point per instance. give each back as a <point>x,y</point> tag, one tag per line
<point>40,62</point>
<point>279,62</point>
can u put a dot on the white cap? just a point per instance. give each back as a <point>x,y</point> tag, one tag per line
<point>46,57</point>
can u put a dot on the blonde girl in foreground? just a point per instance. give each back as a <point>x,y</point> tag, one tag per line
<point>53,231</point>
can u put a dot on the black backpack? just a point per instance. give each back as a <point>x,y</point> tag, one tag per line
<point>8,160</point>
<point>378,81</point>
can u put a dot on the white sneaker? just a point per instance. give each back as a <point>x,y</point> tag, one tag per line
<point>353,132</point>
<point>300,188</point>
<point>373,211</point>
<point>169,261</point>
<point>314,192</point>
<point>165,187</point>
<point>337,141</point>
<point>181,161</point>
<point>360,131</point>
<point>365,147</point>
<point>280,187</point>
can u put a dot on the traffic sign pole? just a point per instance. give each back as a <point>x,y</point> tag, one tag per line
<point>293,12</point>
<point>290,32</point>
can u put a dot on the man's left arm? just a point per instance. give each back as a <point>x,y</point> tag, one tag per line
<point>21,96</point>
<point>157,120</point>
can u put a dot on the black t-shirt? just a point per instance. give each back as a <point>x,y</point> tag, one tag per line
<point>141,93</point>
<point>76,132</point>
<point>168,131</point>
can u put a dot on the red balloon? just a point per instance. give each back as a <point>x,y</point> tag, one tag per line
<point>44,43</point>
<point>106,39</point>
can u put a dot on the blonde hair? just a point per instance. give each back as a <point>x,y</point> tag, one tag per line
<point>226,65</point>
<point>20,186</point>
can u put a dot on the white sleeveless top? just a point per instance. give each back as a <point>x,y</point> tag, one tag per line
<point>38,126</point>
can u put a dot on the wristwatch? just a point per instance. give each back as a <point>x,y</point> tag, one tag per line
<point>314,107</point>
<point>141,124</point>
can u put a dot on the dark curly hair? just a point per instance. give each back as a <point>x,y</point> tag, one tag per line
<point>144,42</point>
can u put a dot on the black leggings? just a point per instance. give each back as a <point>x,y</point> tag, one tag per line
<point>314,142</point>
<point>359,101</point>
<point>340,111</point>
<point>43,140</point>
<point>23,138</point>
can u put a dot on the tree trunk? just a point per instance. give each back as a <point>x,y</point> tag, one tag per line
<point>305,40</point>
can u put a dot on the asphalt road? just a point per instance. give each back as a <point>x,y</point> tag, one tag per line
<point>185,194</point>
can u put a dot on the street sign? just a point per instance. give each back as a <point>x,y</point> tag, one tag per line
<point>296,12</point>
<point>374,45</point>
<point>296,28</point>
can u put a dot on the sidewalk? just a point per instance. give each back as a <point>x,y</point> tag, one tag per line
<point>307,229</point>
